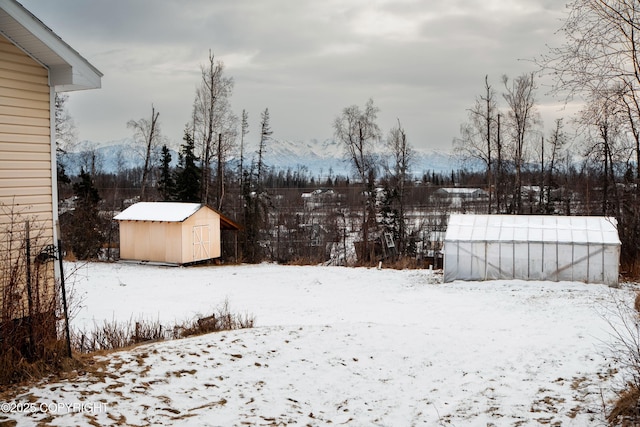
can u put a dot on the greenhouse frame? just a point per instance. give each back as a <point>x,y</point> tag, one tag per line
<point>532,247</point>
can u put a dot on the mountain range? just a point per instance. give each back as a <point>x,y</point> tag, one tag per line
<point>317,158</point>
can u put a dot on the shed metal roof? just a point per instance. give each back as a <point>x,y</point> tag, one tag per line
<point>532,228</point>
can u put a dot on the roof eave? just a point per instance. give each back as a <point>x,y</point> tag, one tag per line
<point>69,71</point>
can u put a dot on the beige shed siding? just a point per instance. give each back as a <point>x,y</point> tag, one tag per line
<point>150,241</point>
<point>171,242</point>
<point>203,217</point>
<point>25,139</point>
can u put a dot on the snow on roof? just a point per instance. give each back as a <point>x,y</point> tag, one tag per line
<point>158,211</point>
<point>461,191</point>
<point>532,228</point>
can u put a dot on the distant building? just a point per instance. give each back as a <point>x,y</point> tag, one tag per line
<point>461,198</point>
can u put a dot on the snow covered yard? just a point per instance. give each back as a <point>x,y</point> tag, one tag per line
<point>339,346</point>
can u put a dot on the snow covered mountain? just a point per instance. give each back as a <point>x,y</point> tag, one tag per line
<point>317,158</point>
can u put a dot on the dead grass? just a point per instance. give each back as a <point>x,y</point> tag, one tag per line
<point>626,411</point>
<point>221,320</point>
<point>15,369</point>
<point>626,352</point>
<point>119,335</point>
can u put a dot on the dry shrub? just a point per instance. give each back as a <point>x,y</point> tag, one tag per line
<point>221,320</point>
<point>300,261</point>
<point>116,335</point>
<point>626,411</point>
<point>30,311</point>
<point>15,368</point>
<point>624,353</point>
<point>403,263</point>
<point>113,335</point>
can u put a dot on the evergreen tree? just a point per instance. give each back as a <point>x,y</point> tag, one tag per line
<point>86,193</point>
<point>166,185</point>
<point>189,173</point>
<point>265,135</point>
<point>83,232</point>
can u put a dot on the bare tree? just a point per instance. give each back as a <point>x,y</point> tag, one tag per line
<point>606,144</point>
<point>244,130</point>
<point>147,133</point>
<point>64,125</point>
<point>91,160</point>
<point>600,52</point>
<point>478,135</point>
<point>358,131</point>
<point>521,115</point>
<point>557,142</point>
<point>212,117</point>
<point>403,156</point>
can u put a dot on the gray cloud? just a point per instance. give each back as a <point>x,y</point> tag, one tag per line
<point>421,61</point>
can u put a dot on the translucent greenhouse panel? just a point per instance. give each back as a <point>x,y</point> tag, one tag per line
<point>611,257</point>
<point>520,234</point>
<point>550,260</point>
<point>566,263</point>
<point>507,260</point>
<point>450,261</point>
<point>536,270</point>
<point>478,260</point>
<point>494,261</point>
<point>596,264</point>
<point>579,268</point>
<point>465,261</point>
<point>520,260</point>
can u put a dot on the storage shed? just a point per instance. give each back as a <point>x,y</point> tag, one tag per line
<point>171,232</point>
<point>531,247</point>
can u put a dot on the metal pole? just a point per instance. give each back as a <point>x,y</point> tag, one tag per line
<point>64,300</point>
<point>29,294</point>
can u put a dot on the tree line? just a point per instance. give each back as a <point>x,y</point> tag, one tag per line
<point>591,169</point>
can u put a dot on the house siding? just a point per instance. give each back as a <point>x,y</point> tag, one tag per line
<point>26,184</point>
<point>25,137</point>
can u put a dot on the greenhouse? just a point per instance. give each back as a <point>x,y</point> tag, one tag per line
<point>531,247</point>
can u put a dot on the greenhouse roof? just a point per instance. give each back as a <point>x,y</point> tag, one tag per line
<point>532,228</point>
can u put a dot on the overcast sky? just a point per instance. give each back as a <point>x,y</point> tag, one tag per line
<point>421,61</point>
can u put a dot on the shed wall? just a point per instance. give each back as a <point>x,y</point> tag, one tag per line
<point>151,241</point>
<point>195,239</point>
<point>201,236</point>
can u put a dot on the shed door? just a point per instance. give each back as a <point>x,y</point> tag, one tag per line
<point>201,242</point>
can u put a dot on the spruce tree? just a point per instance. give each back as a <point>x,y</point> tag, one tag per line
<point>166,184</point>
<point>189,173</point>
<point>84,232</point>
